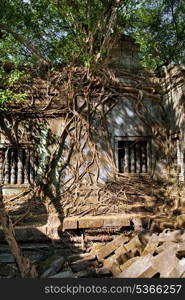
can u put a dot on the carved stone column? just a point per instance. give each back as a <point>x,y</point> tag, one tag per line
<point>20,167</point>
<point>180,161</point>
<point>138,158</point>
<point>13,167</point>
<point>26,167</point>
<point>141,156</point>
<point>6,167</point>
<point>126,158</point>
<point>32,166</point>
<point>1,165</point>
<point>132,158</point>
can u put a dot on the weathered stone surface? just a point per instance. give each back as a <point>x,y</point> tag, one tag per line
<point>51,265</point>
<point>116,221</point>
<point>171,236</point>
<point>128,263</point>
<point>6,258</point>
<point>65,274</point>
<point>48,272</point>
<point>28,234</point>
<point>165,262</point>
<point>103,271</point>
<point>121,250</point>
<point>104,251</point>
<point>141,268</point>
<point>8,271</point>
<point>95,222</point>
<point>58,264</point>
<point>134,243</point>
<point>70,223</point>
<point>112,264</point>
<point>90,222</point>
<point>165,246</point>
<point>89,272</point>
<point>178,270</point>
<point>152,245</point>
<point>137,224</point>
<point>81,256</point>
<point>80,265</point>
<point>180,221</point>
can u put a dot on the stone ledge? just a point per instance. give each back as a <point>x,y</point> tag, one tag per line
<point>53,225</point>
<point>98,221</point>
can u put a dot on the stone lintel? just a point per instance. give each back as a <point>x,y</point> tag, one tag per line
<point>96,222</point>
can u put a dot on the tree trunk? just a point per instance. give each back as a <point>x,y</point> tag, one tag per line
<point>26,268</point>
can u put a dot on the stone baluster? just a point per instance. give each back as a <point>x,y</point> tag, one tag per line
<point>12,166</point>
<point>138,157</point>
<point>6,167</point>
<point>132,159</point>
<point>1,165</point>
<point>35,164</point>
<point>145,157</point>
<point>32,166</point>
<point>135,157</point>
<point>126,158</point>
<point>20,167</point>
<point>141,156</point>
<point>26,166</point>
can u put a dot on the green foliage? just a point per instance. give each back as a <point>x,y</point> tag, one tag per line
<point>158,27</point>
<point>7,97</point>
<point>14,76</point>
<point>57,31</point>
<point>34,32</point>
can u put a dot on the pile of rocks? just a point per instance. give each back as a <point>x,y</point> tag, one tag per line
<point>144,255</point>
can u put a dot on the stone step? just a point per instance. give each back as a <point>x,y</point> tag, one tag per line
<point>119,220</point>
<point>8,258</point>
<point>54,228</point>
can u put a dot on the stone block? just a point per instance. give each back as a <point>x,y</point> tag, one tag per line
<point>90,222</point>
<point>125,222</point>
<point>70,223</point>
<point>137,224</point>
<point>112,265</point>
<point>80,265</point>
<point>141,268</point>
<point>107,263</point>
<point>165,262</point>
<point>128,263</point>
<point>134,243</point>
<point>104,251</point>
<point>65,274</point>
<point>151,245</point>
<point>121,250</point>
<point>116,221</point>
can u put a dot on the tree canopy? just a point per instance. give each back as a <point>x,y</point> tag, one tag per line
<point>82,32</point>
<point>158,27</point>
<point>55,31</point>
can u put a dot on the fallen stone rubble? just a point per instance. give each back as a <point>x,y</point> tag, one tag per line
<point>136,255</point>
<point>144,255</point>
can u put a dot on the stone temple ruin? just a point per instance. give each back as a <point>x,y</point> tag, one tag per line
<point>145,150</point>
<point>132,138</point>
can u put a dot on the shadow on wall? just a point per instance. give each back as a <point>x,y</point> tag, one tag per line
<point>156,120</point>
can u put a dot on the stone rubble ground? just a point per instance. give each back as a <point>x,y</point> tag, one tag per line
<point>145,255</point>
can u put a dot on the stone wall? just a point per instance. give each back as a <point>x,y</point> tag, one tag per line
<point>173,83</point>
<point>43,129</point>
